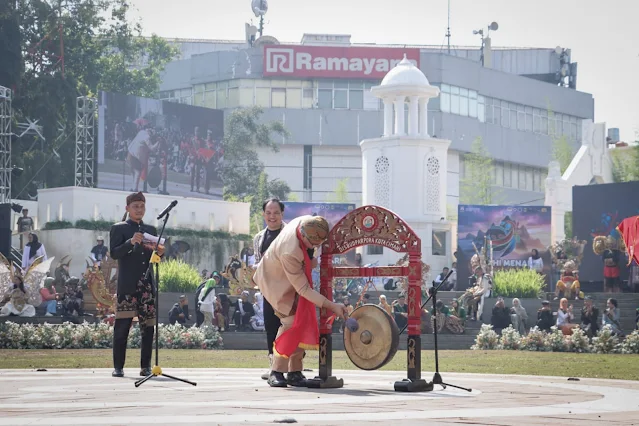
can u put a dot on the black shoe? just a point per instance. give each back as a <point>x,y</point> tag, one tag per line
<point>118,372</point>
<point>276,380</point>
<point>296,379</point>
<point>145,372</point>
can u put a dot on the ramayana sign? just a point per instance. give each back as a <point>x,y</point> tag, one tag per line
<point>334,62</point>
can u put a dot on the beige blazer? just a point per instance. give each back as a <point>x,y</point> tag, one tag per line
<point>280,273</point>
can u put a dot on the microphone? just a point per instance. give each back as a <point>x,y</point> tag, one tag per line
<point>167,209</point>
<point>136,246</point>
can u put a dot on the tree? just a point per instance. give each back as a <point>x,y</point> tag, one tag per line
<point>243,173</point>
<point>340,195</point>
<point>625,164</point>
<point>476,186</point>
<point>70,49</point>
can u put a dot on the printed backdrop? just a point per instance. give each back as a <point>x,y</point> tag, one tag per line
<point>598,210</point>
<point>514,231</point>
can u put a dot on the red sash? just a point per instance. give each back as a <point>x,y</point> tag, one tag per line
<point>629,230</point>
<point>305,331</point>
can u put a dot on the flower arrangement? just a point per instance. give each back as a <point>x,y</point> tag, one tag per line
<point>555,341</point>
<point>100,336</point>
<point>486,339</point>
<point>509,339</point>
<point>578,341</point>
<point>631,344</point>
<point>605,342</point>
<point>535,340</point>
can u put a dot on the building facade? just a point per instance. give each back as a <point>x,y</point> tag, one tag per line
<point>320,90</point>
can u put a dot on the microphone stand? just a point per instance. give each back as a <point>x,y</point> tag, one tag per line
<point>437,378</point>
<point>155,281</point>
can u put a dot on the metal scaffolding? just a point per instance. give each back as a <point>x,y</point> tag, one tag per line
<point>85,116</point>
<point>5,145</point>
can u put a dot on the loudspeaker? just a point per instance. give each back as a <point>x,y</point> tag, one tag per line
<point>5,242</point>
<point>5,229</point>
<point>5,216</point>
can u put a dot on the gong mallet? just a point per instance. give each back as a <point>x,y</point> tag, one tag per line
<point>437,378</point>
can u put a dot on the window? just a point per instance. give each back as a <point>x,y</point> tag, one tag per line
<point>293,98</point>
<point>325,98</point>
<point>499,174</point>
<point>522,178</point>
<point>234,97</point>
<point>454,100</point>
<point>263,97</point>
<point>356,99</point>
<point>278,98</point>
<point>508,176</point>
<point>374,250</point>
<point>307,98</point>
<point>472,104</point>
<point>490,117</point>
<point>340,99</point>
<point>521,118</point>
<point>463,102</point>
<point>481,112</point>
<point>514,173</point>
<point>536,180</point>
<point>445,98</point>
<point>308,167</point>
<point>513,116</point>
<point>529,179</point>
<point>529,119</point>
<point>439,243</point>
<point>370,101</point>
<point>222,95</point>
<point>505,114</point>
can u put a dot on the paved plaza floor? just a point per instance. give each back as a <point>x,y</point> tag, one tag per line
<point>231,396</point>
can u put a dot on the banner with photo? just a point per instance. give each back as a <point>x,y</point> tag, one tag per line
<point>514,231</point>
<point>158,146</point>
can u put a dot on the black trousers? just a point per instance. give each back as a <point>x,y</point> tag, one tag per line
<point>120,337</point>
<point>271,324</point>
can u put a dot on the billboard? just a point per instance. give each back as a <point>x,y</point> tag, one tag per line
<point>513,230</point>
<point>334,61</point>
<point>590,218</point>
<point>158,146</point>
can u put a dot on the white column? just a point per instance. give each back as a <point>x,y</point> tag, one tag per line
<point>399,115</point>
<point>423,112</point>
<point>413,116</point>
<point>388,117</point>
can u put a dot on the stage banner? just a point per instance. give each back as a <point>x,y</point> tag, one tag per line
<point>159,147</point>
<point>514,231</point>
<point>597,210</point>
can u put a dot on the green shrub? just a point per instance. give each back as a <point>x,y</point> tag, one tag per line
<point>58,224</point>
<point>178,277</point>
<point>93,225</point>
<point>522,283</point>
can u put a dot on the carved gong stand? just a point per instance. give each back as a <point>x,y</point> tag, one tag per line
<point>373,225</point>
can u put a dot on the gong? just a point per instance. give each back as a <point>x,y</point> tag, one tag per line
<point>376,340</point>
<point>154,177</point>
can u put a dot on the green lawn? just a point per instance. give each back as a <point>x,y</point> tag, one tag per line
<point>489,362</point>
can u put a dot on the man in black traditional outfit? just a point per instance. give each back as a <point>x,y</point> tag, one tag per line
<point>135,294</point>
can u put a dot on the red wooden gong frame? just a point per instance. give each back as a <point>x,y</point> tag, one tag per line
<point>373,225</point>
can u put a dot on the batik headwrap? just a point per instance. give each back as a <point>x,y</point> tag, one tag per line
<point>132,198</point>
